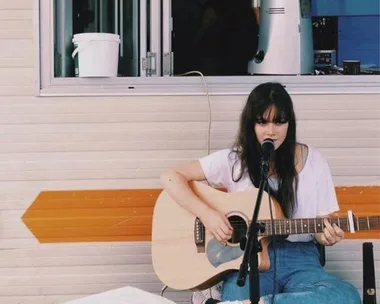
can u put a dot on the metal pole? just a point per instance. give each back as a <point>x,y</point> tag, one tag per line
<point>116,17</point>
<point>103,9</point>
<point>64,35</point>
<point>135,35</point>
<point>121,13</point>
<point>96,13</point>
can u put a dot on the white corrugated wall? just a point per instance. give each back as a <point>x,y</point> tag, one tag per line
<point>125,142</point>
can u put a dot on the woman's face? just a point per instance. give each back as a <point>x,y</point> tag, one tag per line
<point>272,128</point>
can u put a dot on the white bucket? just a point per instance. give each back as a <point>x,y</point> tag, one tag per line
<point>96,54</point>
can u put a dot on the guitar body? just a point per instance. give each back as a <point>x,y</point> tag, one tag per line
<point>187,257</point>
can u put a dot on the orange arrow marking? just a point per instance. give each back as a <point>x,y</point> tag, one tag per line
<point>126,215</point>
<point>92,215</point>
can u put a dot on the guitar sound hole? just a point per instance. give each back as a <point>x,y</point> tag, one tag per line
<point>240,228</point>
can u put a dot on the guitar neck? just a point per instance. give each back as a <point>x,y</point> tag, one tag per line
<point>315,225</point>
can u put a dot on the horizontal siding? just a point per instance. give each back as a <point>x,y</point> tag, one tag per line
<point>16,23</point>
<point>343,260</point>
<point>17,76</point>
<point>354,141</point>
<point>76,143</point>
<point>17,5</point>
<point>140,173</point>
<point>20,14</point>
<point>60,273</point>
<point>16,34</point>
<point>15,50</point>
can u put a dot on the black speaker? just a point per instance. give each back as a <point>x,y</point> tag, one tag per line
<point>369,280</point>
<point>212,301</point>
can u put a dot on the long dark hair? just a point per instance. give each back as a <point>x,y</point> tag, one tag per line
<point>263,97</point>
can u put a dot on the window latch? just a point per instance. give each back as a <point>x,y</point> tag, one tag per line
<point>167,64</point>
<point>149,63</point>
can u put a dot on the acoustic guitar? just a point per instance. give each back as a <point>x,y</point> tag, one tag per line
<point>186,256</point>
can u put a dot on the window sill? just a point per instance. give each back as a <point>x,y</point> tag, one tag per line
<point>193,85</point>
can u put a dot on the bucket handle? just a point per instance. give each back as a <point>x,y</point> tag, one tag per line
<point>75,52</point>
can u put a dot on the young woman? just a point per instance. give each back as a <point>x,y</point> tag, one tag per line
<point>301,182</point>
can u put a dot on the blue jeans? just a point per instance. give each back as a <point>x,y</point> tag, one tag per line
<point>300,279</point>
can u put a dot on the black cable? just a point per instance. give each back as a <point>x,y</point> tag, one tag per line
<point>274,245</point>
<point>212,301</point>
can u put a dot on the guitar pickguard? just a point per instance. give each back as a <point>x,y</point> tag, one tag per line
<point>218,254</point>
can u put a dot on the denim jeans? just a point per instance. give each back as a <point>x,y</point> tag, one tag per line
<point>300,279</point>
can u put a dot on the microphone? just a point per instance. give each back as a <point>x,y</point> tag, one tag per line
<point>267,147</point>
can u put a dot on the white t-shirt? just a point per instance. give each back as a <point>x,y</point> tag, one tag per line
<point>316,192</point>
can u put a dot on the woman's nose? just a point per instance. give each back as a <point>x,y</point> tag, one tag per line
<point>271,129</point>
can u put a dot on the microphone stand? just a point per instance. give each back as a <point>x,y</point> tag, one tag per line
<point>253,247</point>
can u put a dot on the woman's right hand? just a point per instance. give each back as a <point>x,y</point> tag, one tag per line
<point>176,183</point>
<point>217,224</point>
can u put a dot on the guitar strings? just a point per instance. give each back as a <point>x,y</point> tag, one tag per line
<point>305,222</point>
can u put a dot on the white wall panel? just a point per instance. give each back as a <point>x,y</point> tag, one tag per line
<point>12,90</point>
<point>16,34</point>
<point>16,24</point>
<point>17,76</point>
<point>22,14</point>
<point>17,49</point>
<point>16,5</point>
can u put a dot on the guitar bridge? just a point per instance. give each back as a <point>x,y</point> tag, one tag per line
<point>199,235</point>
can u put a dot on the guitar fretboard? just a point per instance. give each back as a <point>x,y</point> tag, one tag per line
<point>315,225</point>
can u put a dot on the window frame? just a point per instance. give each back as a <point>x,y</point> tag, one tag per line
<point>48,85</point>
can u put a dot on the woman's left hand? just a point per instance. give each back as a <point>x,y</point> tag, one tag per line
<point>331,234</point>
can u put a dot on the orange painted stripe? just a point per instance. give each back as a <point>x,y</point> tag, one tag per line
<point>92,215</point>
<point>362,201</point>
<point>126,215</point>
